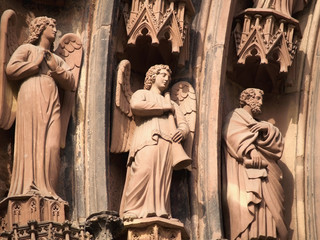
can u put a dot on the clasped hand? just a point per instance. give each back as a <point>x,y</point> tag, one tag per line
<point>49,59</point>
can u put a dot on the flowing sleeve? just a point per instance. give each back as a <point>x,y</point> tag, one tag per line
<point>182,123</point>
<point>141,106</point>
<point>237,136</point>
<point>63,75</point>
<point>20,66</point>
<point>271,143</point>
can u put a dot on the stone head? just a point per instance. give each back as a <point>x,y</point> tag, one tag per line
<point>37,27</point>
<point>159,75</point>
<point>252,97</point>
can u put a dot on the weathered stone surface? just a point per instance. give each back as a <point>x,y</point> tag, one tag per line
<point>105,225</point>
<point>211,69</point>
<point>22,209</point>
<point>211,39</point>
<point>46,230</point>
<point>155,228</point>
<point>6,157</point>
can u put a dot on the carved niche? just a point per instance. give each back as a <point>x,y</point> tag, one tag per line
<point>160,20</point>
<point>267,34</point>
<point>149,33</point>
<point>266,39</point>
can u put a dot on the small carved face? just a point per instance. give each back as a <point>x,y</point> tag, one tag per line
<point>255,103</point>
<point>50,31</point>
<point>162,80</point>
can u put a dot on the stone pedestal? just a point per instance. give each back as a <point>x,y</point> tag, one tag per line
<point>45,230</point>
<point>155,228</point>
<point>21,210</point>
<point>105,225</point>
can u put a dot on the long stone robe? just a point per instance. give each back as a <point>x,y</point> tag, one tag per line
<point>253,198</point>
<point>37,131</point>
<point>149,171</point>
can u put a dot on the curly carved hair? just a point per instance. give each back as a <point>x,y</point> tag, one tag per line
<point>36,28</point>
<point>152,73</point>
<point>247,94</point>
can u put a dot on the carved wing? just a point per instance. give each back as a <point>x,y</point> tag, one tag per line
<point>70,50</point>
<point>8,89</point>
<point>184,95</point>
<point>122,124</point>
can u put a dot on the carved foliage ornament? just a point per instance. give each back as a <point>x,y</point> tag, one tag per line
<point>159,19</point>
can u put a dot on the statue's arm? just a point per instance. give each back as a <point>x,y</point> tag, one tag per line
<point>19,67</point>
<point>182,123</point>
<point>140,106</point>
<point>240,141</point>
<point>63,75</point>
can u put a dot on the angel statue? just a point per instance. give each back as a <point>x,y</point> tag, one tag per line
<point>155,126</point>
<point>37,91</point>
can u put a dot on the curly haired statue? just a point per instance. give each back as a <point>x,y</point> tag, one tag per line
<point>152,73</point>
<point>247,94</point>
<point>36,28</point>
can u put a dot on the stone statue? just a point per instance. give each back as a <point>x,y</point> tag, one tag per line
<point>254,195</point>
<point>45,86</point>
<point>287,7</point>
<point>155,146</point>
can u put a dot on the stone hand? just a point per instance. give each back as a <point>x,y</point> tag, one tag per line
<point>177,136</point>
<point>256,158</point>
<point>51,62</point>
<point>259,126</point>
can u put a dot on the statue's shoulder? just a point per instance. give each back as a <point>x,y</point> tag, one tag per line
<point>26,46</point>
<point>141,92</point>
<point>237,114</point>
<point>236,111</point>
